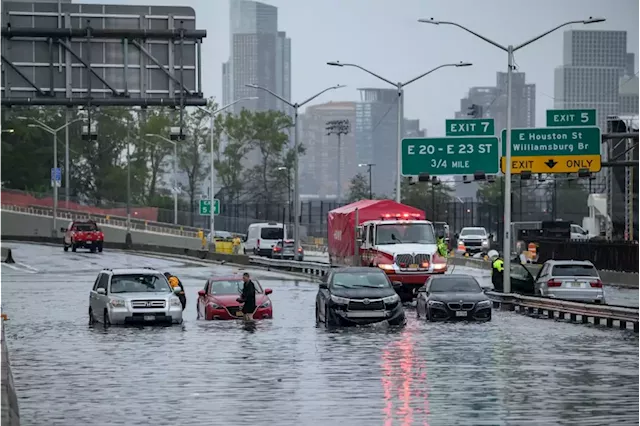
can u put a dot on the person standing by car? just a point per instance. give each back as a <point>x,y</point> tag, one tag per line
<point>442,246</point>
<point>497,272</point>
<point>248,297</point>
<point>175,282</point>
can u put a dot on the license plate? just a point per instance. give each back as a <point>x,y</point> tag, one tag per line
<point>576,284</point>
<point>366,314</point>
<point>149,317</point>
<point>461,313</point>
<point>413,266</point>
<point>87,242</point>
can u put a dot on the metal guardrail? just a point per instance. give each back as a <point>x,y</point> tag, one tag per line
<point>309,268</point>
<point>561,309</point>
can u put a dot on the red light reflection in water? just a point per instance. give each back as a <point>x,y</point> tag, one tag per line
<point>407,376</point>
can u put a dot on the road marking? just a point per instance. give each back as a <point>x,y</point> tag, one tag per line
<point>27,266</point>
<point>18,269</point>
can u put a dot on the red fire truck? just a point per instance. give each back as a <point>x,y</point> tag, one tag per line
<point>388,235</point>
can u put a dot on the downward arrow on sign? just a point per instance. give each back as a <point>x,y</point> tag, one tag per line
<point>551,164</point>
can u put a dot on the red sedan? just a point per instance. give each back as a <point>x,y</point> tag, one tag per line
<point>217,301</point>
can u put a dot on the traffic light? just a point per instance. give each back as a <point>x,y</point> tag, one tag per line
<point>475,111</point>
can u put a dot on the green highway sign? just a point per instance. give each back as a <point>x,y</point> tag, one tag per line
<point>553,141</point>
<point>205,207</point>
<point>449,156</point>
<point>553,150</point>
<point>470,127</point>
<point>571,117</point>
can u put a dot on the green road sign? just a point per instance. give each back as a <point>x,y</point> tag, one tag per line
<point>553,141</point>
<point>571,117</point>
<point>205,207</point>
<point>449,156</point>
<point>470,127</point>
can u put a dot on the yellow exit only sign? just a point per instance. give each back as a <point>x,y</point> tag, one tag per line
<point>553,164</point>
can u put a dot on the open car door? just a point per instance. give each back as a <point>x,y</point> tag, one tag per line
<point>521,279</point>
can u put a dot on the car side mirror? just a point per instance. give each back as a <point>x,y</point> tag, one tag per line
<point>101,291</point>
<point>324,285</point>
<point>422,290</point>
<point>63,229</point>
<point>268,291</point>
<point>201,293</point>
<point>396,284</point>
<point>177,289</point>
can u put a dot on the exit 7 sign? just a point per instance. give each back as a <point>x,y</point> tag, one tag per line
<point>470,127</point>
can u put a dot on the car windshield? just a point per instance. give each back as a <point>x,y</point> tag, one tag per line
<point>360,280</point>
<point>272,233</point>
<point>139,283</point>
<point>455,285</point>
<point>475,232</point>
<point>230,287</point>
<point>574,271</point>
<point>398,233</point>
<point>85,227</point>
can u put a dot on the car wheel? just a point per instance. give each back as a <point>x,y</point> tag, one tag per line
<point>317,315</point>
<point>328,320</point>
<point>92,320</point>
<point>399,321</point>
<point>428,314</point>
<point>105,319</point>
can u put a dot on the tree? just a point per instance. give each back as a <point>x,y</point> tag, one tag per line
<point>358,188</point>
<point>270,140</point>
<point>190,152</point>
<point>427,197</point>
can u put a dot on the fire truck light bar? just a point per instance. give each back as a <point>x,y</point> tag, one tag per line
<point>401,216</point>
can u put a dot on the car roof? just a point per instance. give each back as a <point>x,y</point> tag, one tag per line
<point>569,262</point>
<point>84,221</point>
<point>226,278</point>
<point>437,277</point>
<point>127,271</point>
<point>473,227</point>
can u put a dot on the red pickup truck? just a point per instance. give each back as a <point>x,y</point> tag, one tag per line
<point>83,234</point>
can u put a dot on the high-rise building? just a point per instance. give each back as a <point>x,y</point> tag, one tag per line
<point>376,136</point>
<point>260,54</point>
<point>493,101</point>
<point>593,63</point>
<point>319,164</point>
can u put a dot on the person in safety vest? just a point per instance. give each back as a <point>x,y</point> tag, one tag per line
<point>236,245</point>
<point>497,271</point>
<point>175,282</point>
<point>442,246</point>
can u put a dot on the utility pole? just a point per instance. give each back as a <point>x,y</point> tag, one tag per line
<point>339,127</point>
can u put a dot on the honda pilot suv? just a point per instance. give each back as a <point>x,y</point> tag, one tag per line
<point>140,295</point>
<point>83,234</point>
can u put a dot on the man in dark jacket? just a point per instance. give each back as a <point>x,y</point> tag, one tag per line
<point>248,297</point>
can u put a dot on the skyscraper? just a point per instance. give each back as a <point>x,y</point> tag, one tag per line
<point>593,63</point>
<point>493,100</point>
<point>260,54</point>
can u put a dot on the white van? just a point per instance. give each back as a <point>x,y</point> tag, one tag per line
<point>262,237</point>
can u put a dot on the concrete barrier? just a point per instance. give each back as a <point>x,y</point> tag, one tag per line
<point>7,256</point>
<point>10,410</point>
<point>18,224</point>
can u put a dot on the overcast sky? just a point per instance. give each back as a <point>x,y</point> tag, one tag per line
<point>387,39</point>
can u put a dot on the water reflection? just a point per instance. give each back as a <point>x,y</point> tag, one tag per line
<point>514,370</point>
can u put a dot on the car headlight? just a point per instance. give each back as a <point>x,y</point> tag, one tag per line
<point>174,301</point>
<point>117,303</point>
<point>339,300</point>
<point>435,303</point>
<point>391,299</point>
<point>214,306</point>
<point>485,242</point>
<point>484,304</point>
<point>266,304</point>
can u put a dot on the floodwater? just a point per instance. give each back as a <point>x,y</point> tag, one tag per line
<point>514,370</point>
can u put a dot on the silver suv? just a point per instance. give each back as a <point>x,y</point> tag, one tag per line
<point>133,295</point>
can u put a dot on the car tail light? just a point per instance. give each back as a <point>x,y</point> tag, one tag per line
<point>554,283</point>
<point>276,249</point>
<point>596,284</point>
<point>300,250</point>
<point>258,242</point>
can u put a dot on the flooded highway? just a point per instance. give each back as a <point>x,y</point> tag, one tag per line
<point>514,370</point>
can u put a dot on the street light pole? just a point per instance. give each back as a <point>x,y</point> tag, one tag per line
<point>54,132</point>
<point>212,179</point>
<point>175,173</point>
<point>400,87</point>
<point>296,147</point>
<point>510,50</point>
<point>284,168</point>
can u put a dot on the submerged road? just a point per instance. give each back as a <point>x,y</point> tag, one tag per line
<point>614,295</point>
<point>513,371</point>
